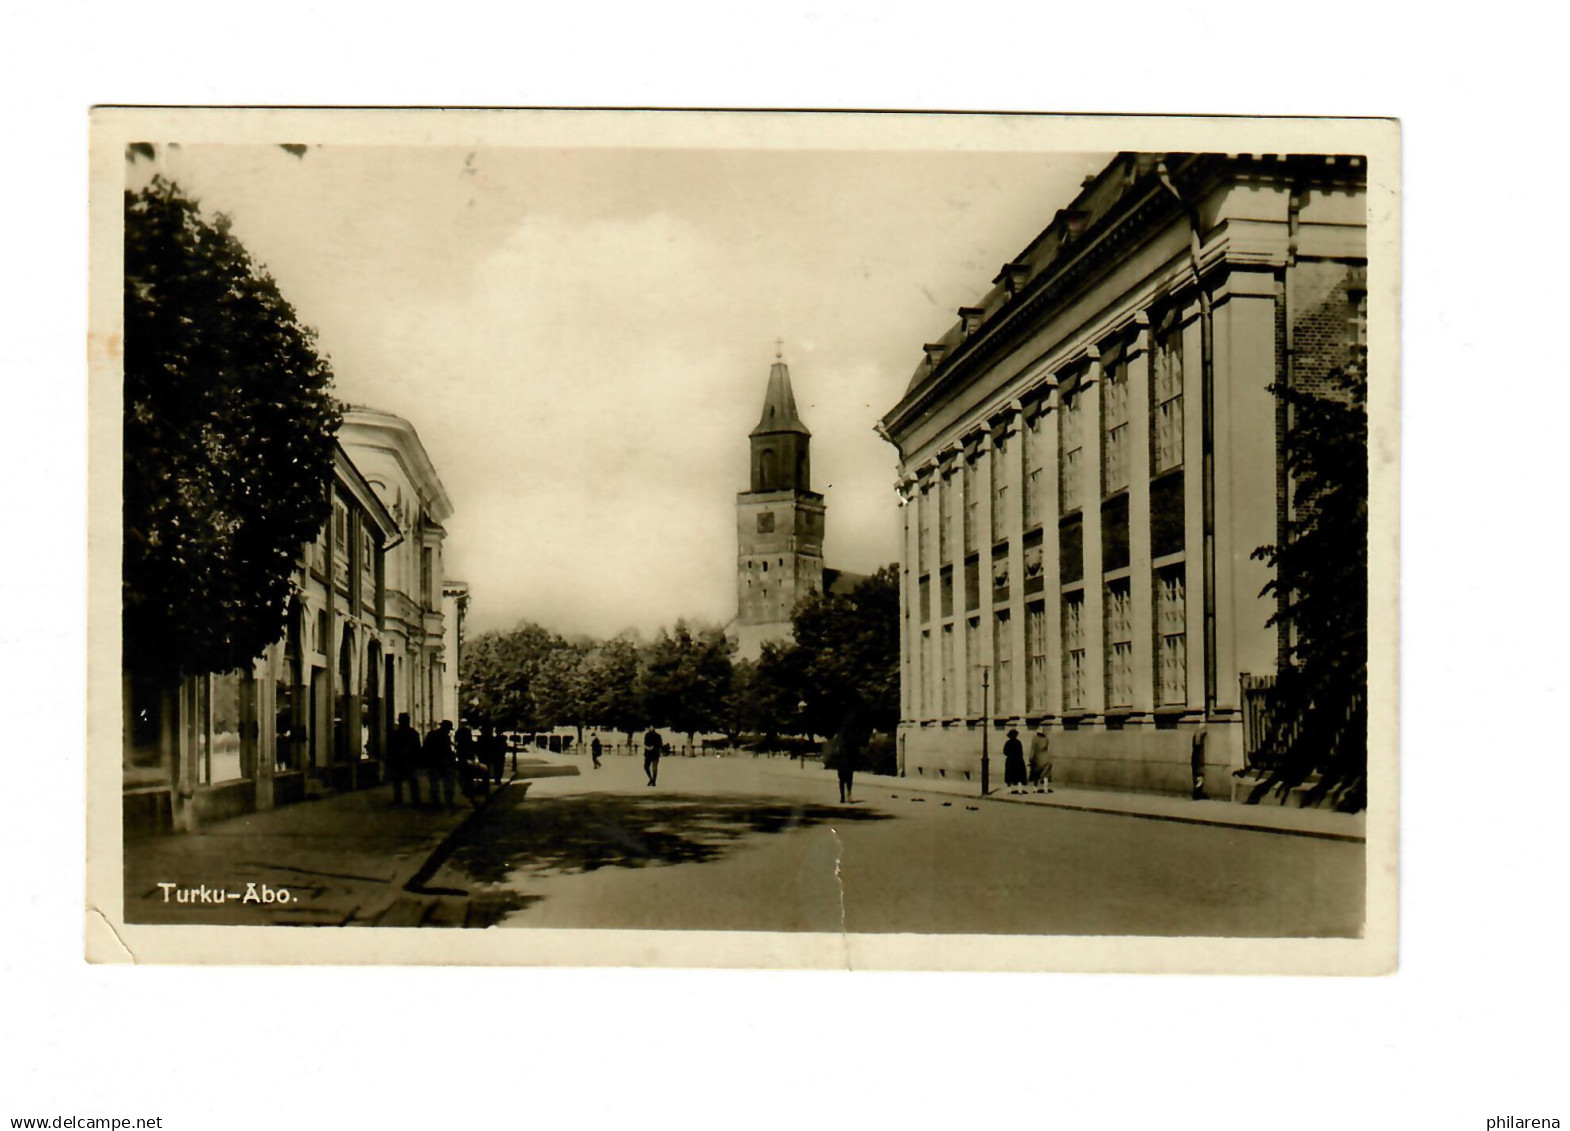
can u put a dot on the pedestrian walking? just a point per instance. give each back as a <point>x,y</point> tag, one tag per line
<point>594,751</point>
<point>1196,762</point>
<point>493,752</point>
<point>1040,761</point>
<point>843,754</point>
<point>440,763</point>
<point>1014,763</point>
<point>651,756</point>
<point>403,761</point>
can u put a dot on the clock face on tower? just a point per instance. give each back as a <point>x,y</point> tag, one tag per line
<point>766,522</point>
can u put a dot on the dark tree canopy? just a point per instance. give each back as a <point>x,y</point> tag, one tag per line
<point>846,655</point>
<point>1319,721</point>
<point>228,441</point>
<point>685,681</point>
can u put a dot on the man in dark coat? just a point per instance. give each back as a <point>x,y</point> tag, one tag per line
<point>651,755</point>
<point>842,755</point>
<point>493,751</point>
<point>440,764</point>
<point>594,751</point>
<point>403,761</point>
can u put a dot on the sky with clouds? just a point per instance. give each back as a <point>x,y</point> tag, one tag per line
<point>582,337</point>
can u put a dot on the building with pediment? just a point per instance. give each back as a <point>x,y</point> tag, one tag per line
<point>365,638</point>
<point>1090,455</point>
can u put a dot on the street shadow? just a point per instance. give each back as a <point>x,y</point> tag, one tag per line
<point>573,835</point>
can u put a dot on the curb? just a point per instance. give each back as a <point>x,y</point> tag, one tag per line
<point>1108,811</point>
<point>415,884</point>
<point>1175,818</point>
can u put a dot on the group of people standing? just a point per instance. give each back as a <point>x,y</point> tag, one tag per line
<point>439,756</point>
<point>1021,777</point>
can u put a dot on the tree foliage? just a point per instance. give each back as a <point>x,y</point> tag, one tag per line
<point>686,678</point>
<point>1319,719</point>
<point>846,655</point>
<point>228,441</point>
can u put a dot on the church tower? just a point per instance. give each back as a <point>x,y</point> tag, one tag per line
<point>779,522</point>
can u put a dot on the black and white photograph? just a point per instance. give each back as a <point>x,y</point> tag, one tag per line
<point>914,541</point>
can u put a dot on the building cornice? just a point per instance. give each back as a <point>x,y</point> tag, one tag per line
<point>396,436</point>
<point>1133,220</point>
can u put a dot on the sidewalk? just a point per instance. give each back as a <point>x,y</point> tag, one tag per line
<point>1264,817</point>
<point>343,860</point>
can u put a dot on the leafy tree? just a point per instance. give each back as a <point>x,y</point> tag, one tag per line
<point>612,687</point>
<point>228,441</point>
<point>769,693</point>
<point>1319,720</point>
<point>685,679</point>
<point>520,678</point>
<point>846,656</point>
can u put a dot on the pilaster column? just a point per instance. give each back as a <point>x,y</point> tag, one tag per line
<point>1014,531</point>
<point>952,465</point>
<point>930,644</point>
<point>1137,361</point>
<point>1051,551</point>
<point>984,563</point>
<point>1090,490</point>
<point>1194,506</point>
<point>908,598</point>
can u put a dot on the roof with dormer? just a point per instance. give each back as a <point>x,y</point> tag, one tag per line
<point>779,405</point>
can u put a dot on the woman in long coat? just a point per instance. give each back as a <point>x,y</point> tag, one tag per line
<point>1013,761</point>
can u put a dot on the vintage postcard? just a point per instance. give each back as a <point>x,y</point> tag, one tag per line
<point>869,540</point>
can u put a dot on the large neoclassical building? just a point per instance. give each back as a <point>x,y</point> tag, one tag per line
<point>1090,456</point>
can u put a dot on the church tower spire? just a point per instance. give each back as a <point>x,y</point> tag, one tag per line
<point>780,442</point>
<point>779,521</point>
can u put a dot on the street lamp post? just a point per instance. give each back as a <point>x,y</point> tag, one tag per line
<point>986,725</point>
<point>801,721</point>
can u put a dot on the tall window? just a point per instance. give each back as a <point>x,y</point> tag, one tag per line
<point>1071,452</point>
<point>923,525</point>
<point>1357,324</point>
<point>973,666</point>
<point>1114,416</point>
<point>1074,650</point>
<point>1035,475</point>
<point>1166,391</point>
<point>1000,490</point>
<point>1171,638</point>
<point>972,504</point>
<point>1120,645</point>
<point>1003,664</point>
<point>340,545</point>
<point>928,675</point>
<point>428,575</point>
<point>945,491</point>
<point>946,671</point>
<point>367,566</point>
<point>1036,652</point>
<point>215,720</point>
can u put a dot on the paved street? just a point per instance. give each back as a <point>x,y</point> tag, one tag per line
<point>744,844</point>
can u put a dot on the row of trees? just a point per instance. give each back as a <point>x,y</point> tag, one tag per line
<point>842,670</point>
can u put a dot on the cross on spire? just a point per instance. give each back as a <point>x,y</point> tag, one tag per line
<point>779,348</point>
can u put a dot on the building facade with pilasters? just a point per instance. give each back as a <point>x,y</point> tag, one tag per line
<point>364,639</point>
<point>1092,454</point>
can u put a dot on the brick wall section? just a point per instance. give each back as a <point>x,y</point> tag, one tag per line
<point>1321,321</point>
